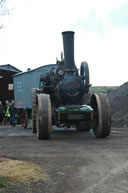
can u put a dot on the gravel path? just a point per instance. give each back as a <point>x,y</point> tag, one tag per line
<point>75,162</point>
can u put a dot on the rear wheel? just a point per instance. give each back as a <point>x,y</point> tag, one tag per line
<point>34,109</point>
<point>43,117</point>
<point>101,123</point>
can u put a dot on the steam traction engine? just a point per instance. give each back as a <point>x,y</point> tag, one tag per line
<point>63,98</point>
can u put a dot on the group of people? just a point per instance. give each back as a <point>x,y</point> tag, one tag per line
<point>7,113</point>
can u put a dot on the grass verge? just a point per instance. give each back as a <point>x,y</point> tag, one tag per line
<point>3,181</point>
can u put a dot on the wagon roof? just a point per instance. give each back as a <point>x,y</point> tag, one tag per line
<point>29,70</point>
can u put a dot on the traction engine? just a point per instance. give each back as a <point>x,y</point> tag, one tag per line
<point>63,98</point>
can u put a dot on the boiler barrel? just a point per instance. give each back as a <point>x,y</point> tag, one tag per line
<point>68,44</point>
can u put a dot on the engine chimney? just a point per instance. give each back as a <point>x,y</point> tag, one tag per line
<point>68,44</point>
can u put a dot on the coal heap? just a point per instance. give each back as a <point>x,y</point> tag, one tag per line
<point>119,106</point>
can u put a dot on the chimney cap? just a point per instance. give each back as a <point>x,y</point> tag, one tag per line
<point>68,32</point>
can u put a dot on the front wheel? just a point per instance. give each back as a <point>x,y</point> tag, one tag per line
<point>43,118</point>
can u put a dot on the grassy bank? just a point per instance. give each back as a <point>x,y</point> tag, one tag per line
<point>104,89</point>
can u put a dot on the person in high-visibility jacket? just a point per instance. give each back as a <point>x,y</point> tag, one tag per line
<point>7,112</point>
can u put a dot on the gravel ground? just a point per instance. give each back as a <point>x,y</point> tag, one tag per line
<point>75,162</point>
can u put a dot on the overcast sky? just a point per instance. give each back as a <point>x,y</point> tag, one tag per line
<point>32,36</point>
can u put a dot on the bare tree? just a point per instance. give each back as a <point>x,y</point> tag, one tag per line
<point>3,11</point>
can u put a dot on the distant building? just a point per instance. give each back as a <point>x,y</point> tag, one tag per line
<point>6,81</point>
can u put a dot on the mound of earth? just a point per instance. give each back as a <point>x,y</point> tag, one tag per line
<point>119,106</point>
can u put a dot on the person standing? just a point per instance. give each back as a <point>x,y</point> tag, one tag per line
<point>7,113</point>
<point>6,105</point>
<point>1,112</point>
<point>12,113</point>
